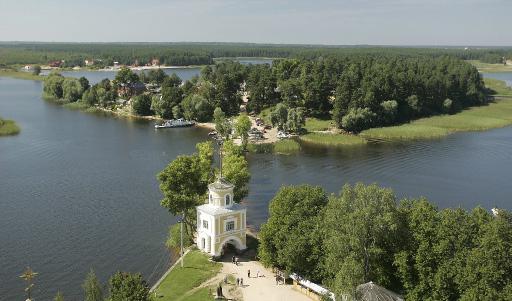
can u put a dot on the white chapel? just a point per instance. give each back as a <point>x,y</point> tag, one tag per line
<point>220,221</point>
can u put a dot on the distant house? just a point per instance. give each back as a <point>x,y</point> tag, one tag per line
<point>89,62</point>
<point>55,64</point>
<point>155,62</point>
<point>28,67</point>
<point>126,90</point>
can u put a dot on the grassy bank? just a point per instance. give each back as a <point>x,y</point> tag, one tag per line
<point>182,283</point>
<point>19,74</point>
<point>336,140</point>
<point>283,147</point>
<point>484,67</point>
<point>315,124</point>
<point>494,115</point>
<point>8,127</point>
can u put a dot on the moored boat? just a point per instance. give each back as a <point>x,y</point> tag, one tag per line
<point>175,123</point>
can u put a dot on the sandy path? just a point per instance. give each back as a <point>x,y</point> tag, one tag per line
<point>263,287</point>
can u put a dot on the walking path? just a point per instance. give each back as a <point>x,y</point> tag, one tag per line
<point>263,287</point>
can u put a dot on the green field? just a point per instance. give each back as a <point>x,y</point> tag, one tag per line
<point>315,124</point>
<point>336,140</point>
<point>484,67</point>
<point>180,284</point>
<point>494,115</point>
<point>8,127</point>
<point>19,74</point>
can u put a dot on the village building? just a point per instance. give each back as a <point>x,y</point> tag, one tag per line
<point>221,223</point>
<point>155,62</point>
<point>89,62</point>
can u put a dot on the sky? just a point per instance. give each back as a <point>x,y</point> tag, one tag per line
<point>341,22</point>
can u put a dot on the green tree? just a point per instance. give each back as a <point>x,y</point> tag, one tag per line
<point>92,288</point>
<point>171,97</point>
<point>222,124</point>
<point>177,112</point>
<point>52,87</point>
<point>59,296</point>
<point>90,96</point>
<point>184,183</point>
<point>156,76</point>
<point>141,105</point>
<point>126,76</point>
<point>361,227</point>
<point>358,119</point>
<point>292,237</point>
<point>279,116</point>
<point>389,111</point>
<point>242,126</point>
<point>235,169</point>
<point>196,107</point>
<point>296,120</point>
<point>84,83</point>
<point>128,287</point>
<point>37,70</point>
<point>71,89</point>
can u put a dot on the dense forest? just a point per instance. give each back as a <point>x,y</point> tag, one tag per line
<point>180,54</point>
<point>357,92</point>
<point>410,246</point>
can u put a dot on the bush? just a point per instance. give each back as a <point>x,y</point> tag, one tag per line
<point>389,111</point>
<point>358,119</point>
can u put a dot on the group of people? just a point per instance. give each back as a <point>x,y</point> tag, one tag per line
<point>234,260</point>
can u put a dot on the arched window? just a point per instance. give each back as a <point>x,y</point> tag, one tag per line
<point>228,199</point>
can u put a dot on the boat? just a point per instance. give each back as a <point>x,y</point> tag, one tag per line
<point>175,123</point>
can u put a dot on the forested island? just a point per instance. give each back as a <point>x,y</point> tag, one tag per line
<point>357,92</point>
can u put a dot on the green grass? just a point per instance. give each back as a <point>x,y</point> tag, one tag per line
<point>336,140</point>
<point>315,124</point>
<point>8,127</point>
<point>20,74</point>
<point>202,294</point>
<point>286,147</point>
<point>197,269</point>
<point>484,67</point>
<point>265,115</point>
<point>494,115</point>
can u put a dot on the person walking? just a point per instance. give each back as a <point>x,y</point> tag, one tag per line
<point>258,274</point>
<point>248,273</point>
<point>241,282</point>
<point>233,259</point>
<point>237,281</point>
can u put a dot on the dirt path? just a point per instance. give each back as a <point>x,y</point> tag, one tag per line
<point>263,287</point>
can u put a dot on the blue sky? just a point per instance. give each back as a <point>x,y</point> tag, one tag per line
<point>342,22</point>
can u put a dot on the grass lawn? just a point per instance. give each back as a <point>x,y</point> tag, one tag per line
<point>197,269</point>
<point>315,124</point>
<point>484,67</point>
<point>8,127</point>
<point>20,74</point>
<point>265,115</point>
<point>333,139</point>
<point>494,115</point>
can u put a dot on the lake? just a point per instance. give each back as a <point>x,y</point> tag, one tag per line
<point>79,191</point>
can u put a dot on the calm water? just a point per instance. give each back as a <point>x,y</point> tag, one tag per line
<point>78,191</point>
